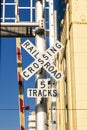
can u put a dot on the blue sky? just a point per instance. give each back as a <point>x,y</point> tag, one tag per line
<point>9,119</point>
<point>9,85</point>
<point>9,107</point>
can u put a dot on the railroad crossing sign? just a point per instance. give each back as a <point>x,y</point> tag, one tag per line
<point>42,60</point>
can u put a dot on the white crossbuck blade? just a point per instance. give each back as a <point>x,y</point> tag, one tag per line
<point>42,60</point>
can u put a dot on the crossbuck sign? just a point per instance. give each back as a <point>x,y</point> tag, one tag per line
<point>42,60</point>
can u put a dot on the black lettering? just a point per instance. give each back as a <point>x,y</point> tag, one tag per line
<point>31,48</point>
<point>30,69</point>
<point>54,72</point>
<point>44,92</point>
<point>49,53</point>
<point>51,68</point>
<point>34,51</point>
<point>36,55</point>
<point>30,92</point>
<point>25,74</point>
<point>58,45</point>
<point>34,92</point>
<point>26,44</point>
<point>42,83</point>
<point>39,93</point>
<point>47,65</point>
<point>53,50</point>
<point>49,93</point>
<point>58,75</point>
<point>36,65</point>
<point>55,93</point>
<point>40,61</point>
<point>45,57</point>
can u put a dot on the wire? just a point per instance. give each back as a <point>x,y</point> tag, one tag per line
<point>8,109</point>
<point>69,109</point>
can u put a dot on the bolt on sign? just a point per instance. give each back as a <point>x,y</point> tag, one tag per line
<point>42,60</point>
<point>42,91</point>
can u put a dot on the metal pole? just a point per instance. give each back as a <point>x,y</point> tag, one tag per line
<point>3,11</point>
<point>19,70</point>
<point>52,41</point>
<point>41,107</point>
<point>31,11</point>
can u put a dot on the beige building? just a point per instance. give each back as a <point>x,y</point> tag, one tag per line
<point>72,102</point>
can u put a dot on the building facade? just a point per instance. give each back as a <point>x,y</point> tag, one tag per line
<point>72,102</point>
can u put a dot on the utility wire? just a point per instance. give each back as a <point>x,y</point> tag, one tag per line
<point>8,109</point>
<point>1,109</point>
